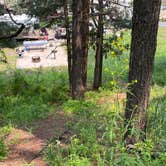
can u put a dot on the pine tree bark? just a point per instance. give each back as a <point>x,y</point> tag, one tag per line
<point>80,38</point>
<point>99,50</point>
<point>143,47</point>
<point>85,39</point>
<point>68,38</point>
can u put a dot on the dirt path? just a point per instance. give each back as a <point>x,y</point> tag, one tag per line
<point>27,147</point>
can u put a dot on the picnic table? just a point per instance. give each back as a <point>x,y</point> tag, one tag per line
<point>39,44</point>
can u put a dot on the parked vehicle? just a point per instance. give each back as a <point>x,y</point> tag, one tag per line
<point>60,33</point>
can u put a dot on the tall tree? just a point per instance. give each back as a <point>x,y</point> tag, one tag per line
<point>105,14</point>
<point>68,39</point>
<point>99,49</point>
<point>80,39</point>
<point>143,46</point>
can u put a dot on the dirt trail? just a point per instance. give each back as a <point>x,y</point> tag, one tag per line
<point>27,147</point>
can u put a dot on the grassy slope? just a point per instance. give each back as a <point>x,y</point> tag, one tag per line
<point>30,95</point>
<point>160,61</point>
<point>113,70</point>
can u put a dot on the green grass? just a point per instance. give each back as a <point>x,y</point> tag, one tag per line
<point>160,60</point>
<point>163,2</point>
<point>98,130</point>
<point>29,95</point>
<point>97,121</point>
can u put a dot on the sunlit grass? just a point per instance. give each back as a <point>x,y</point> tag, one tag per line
<point>29,95</point>
<point>11,60</point>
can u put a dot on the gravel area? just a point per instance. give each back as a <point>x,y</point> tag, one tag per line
<point>60,59</point>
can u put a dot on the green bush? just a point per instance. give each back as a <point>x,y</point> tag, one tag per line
<point>3,149</point>
<point>29,95</point>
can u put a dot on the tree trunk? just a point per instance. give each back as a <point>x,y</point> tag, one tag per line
<point>85,39</point>
<point>69,54</point>
<point>99,50</point>
<point>143,47</point>
<point>80,38</point>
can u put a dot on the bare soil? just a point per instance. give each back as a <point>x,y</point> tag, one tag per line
<point>27,147</point>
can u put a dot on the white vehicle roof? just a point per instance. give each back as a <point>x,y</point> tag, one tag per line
<point>23,19</point>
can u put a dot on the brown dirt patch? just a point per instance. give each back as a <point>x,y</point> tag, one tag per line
<point>26,147</point>
<point>51,127</point>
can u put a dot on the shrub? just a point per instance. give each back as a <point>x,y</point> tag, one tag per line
<point>3,149</point>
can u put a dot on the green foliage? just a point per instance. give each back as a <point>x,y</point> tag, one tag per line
<point>115,46</point>
<point>60,92</point>
<point>5,130</point>
<point>3,58</point>
<point>160,72</point>
<point>98,136</point>
<point>7,59</point>
<point>39,8</point>
<point>97,121</point>
<point>115,72</point>
<point>115,65</point>
<point>161,160</point>
<point>26,96</point>
<point>54,158</point>
<point>160,59</point>
<point>6,29</point>
<point>146,149</point>
<point>125,159</point>
<point>1,9</point>
<point>3,147</point>
<point>75,160</point>
<point>78,106</point>
<point>157,118</point>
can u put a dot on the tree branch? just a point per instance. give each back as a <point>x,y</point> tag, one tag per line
<point>14,34</point>
<point>22,26</point>
<point>8,11</point>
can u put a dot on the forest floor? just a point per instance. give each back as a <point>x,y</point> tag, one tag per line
<point>26,147</point>
<point>41,124</point>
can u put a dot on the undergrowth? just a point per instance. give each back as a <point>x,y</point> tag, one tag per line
<point>96,130</point>
<point>98,135</point>
<point>29,95</point>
